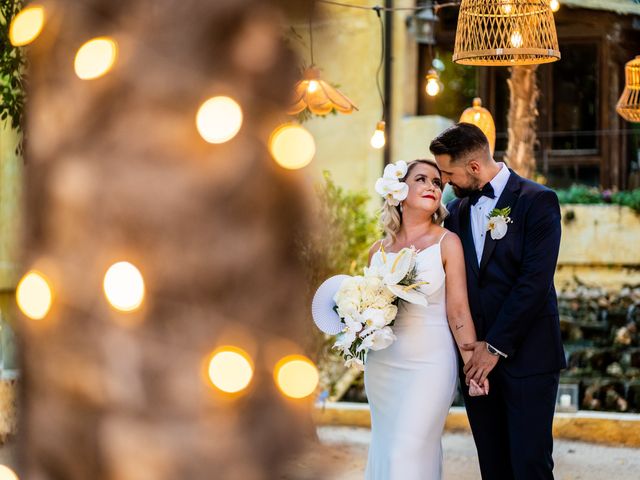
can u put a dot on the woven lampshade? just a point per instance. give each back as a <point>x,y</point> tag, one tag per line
<point>628,106</point>
<point>481,118</point>
<point>505,32</point>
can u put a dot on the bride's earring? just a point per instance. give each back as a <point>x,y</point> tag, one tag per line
<point>400,207</point>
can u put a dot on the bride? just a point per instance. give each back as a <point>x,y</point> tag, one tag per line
<point>411,384</point>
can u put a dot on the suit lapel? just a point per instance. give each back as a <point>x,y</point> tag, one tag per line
<point>467,237</point>
<point>507,199</point>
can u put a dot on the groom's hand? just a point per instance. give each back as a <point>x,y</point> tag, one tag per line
<point>481,363</point>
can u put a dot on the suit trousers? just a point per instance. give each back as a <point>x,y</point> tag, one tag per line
<point>512,426</point>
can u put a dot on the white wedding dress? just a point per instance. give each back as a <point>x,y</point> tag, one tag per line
<point>411,384</point>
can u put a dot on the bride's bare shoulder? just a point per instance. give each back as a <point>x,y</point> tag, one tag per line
<point>451,243</point>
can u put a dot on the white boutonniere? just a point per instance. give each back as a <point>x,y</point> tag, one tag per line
<point>499,221</point>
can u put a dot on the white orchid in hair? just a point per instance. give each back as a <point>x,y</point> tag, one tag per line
<point>392,190</point>
<point>396,171</point>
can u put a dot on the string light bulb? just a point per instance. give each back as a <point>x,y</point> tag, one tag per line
<point>434,85</point>
<point>26,25</point>
<point>296,376</point>
<point>292,146</point>
<point>124,286</point>
<point>34,295</point>
<point>95,58</point>
<point>230,369</point>
<point>555,5</point>
<point>378,139</point>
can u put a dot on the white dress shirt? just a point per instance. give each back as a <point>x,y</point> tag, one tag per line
<point>481,210</point>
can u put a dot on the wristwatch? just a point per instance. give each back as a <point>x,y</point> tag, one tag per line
<point>494,351</point>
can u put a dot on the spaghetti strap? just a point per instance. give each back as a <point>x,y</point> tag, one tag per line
<point>442,237</point>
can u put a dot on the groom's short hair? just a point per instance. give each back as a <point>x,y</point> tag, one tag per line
<point>459,140</point>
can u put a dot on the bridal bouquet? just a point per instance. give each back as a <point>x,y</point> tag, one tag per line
<point>367,304</point>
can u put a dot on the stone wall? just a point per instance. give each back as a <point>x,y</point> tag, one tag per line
<point>600,246</point>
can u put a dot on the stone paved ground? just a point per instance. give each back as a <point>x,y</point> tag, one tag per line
<point>346,448</point>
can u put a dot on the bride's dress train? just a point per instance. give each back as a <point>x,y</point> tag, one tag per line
<point>411,384</point>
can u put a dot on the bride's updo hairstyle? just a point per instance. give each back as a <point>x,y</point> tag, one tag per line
<point>391,217</point>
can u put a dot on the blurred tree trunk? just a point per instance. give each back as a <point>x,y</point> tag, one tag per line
<point>116,170</point>
<point>521,119</point>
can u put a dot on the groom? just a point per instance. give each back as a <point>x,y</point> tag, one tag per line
<point>513,304</point>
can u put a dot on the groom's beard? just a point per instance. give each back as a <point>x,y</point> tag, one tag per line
<point>464,192</point>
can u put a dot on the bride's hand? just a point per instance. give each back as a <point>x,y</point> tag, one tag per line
<point>476,390</point>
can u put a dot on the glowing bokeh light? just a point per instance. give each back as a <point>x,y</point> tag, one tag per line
<point>296,376</point>
<point>34,295</point>
<point>26,25</point>
<point>292,146</point>
<point>7,474</point>
<point>95,58</point>
<point>124,286</point>
<point>219,119</point>
<point>230,369</point>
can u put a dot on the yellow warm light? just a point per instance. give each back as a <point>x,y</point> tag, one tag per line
<point>124,286</point>
<point>7,474</point>
<point>555,5</point>
<point>433,88</point>
<point>506,7</point>
<point>378,139</point>
<point>219,119</point>
<point>516,39</point>
<point>313,86</point>
<point>230,369</point>
<point>34,295</point>
<point>26,26</point>
<point>296,376</point>
<point>292,146</point>
<point>95,58</point>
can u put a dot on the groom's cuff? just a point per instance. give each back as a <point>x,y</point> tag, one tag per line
<point>502,354</point>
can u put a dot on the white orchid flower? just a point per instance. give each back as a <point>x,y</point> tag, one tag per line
<point>354,362</point>
<point>392,190</point>
<point>378,340</point>
<point>396,171</point>
<point>498,226</point>
<point>348,335</point>
<point>374,317</point>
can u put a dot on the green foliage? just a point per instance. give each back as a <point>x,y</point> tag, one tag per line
<point>500,212</point>
<point>345,230</point>
<point>629,199</point>
<point>579,194</point>
<point>12,64</point>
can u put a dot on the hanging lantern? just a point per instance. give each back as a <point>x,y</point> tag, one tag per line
<point>422,26</point>
<point>481,118</point>
<point>505,32</point>
<point>318,96</point>
<point>628,106</point>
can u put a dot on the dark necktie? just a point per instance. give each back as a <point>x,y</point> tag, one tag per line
<point>486,191</point>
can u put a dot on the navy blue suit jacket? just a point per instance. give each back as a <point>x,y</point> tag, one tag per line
<point>511,293</point>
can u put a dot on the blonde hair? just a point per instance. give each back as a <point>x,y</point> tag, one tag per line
<point>391,217</point>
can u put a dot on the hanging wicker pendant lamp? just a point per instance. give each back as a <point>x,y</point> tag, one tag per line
<point>628,106</point>
<point>481,118</point>
<point>505,32</point>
